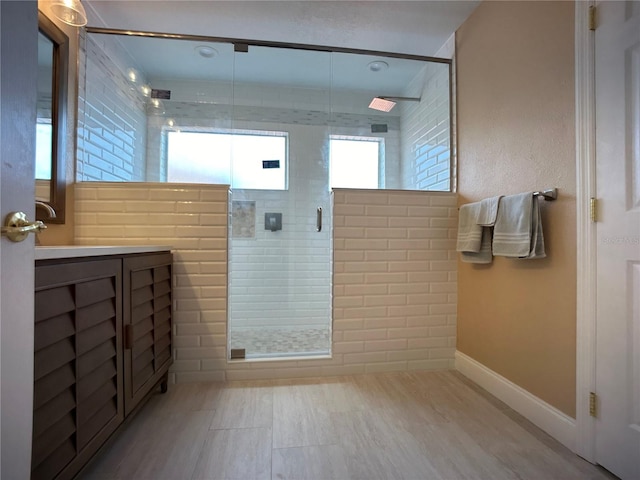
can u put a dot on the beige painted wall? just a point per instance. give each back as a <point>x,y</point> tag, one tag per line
<point>515,97</point>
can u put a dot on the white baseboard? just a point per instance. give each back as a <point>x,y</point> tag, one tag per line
<point>557,424</point>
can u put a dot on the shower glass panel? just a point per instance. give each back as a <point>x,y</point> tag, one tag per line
<point>135,87</point>
<point>279,260</point>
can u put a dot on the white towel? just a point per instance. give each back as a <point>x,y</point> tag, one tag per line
<point>518,228</point>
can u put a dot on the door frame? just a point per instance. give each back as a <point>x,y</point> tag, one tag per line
<point>586,247</point>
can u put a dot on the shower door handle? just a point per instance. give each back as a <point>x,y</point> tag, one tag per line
<point>319,219</point>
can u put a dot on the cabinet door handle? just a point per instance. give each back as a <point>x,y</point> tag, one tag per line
<point>319,219</point>
<point>128,337</point>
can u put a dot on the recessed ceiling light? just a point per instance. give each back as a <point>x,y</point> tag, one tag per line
<point>205,51</point>
<point>378,66</point>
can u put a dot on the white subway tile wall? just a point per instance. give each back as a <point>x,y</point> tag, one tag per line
<point>193,220</point>
<point>394,286</point>
<point>282,280</point>
<point>426,131</point>
<point>294,102</point>
<point>270,108</point>
<point>112,121</point>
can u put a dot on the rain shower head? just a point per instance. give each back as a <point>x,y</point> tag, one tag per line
<point>385,104</point>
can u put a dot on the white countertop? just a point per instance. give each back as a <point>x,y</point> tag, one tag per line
<point>76,251</point>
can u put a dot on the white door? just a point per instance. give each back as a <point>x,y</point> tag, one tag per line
<point>618,259</point>
<point>17,153</point>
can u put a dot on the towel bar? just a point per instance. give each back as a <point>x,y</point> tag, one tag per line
<point>549,194</point>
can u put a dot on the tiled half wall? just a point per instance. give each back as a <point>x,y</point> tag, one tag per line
<point>394,292</point>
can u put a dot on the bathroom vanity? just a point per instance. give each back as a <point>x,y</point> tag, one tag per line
<point>103,340</point>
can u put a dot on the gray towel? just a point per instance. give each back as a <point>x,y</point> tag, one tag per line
<point>469,232</point>
<point>518,228</point>
<point>484,254</point>
<point>488,211</point>
<point>474,239</point>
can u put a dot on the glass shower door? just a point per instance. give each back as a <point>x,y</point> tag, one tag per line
<point>280,225</point>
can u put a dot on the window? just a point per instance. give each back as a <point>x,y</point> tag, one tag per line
<point>251,160</point>
<point>354,162</point>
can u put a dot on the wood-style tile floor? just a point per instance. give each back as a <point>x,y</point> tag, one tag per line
<point>425,425</point>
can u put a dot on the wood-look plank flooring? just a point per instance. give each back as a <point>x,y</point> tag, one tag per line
<point>422,425</point>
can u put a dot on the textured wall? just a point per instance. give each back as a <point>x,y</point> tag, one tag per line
<point>515,100</point>
<point>394,285</point>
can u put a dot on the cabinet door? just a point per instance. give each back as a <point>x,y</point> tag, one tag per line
<point>147,323</point>
<point>78,399</point>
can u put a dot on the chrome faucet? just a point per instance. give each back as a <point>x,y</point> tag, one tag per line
<point>51,213</point>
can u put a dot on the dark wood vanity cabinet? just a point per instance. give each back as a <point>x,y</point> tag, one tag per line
<point>147,325</point>
<point>102,344</point>
<point>78,396</point>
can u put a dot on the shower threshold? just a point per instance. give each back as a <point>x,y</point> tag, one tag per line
<point>287,356</point>
<point>269,343</point>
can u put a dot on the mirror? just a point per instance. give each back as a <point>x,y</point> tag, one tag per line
<point>53,60</point>
<point>167,109</point>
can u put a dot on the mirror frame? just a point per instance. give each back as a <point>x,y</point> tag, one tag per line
<point>58,184</point>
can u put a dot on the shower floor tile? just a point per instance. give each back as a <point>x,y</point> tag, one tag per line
<point>260,342</point>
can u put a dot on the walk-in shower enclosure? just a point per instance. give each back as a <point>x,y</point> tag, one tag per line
<point>283,126</point>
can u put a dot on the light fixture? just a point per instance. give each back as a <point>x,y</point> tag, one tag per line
<point>382,104</point>
<point>155,107</point>
<point>385,104</point>
<point>145,90</point>
<point>133,75</point>
<point>378,66</point>
<point>70,12</point>
<point>205,51</point>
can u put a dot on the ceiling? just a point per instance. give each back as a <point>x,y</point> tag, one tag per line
<point>417,28</point>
